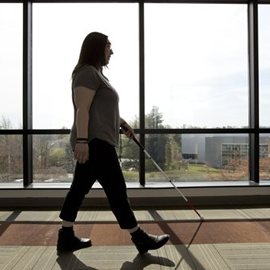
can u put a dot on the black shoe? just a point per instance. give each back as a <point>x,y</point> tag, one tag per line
<point>67,241</point>
<point>144,241</point>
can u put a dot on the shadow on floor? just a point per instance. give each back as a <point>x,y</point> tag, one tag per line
<point>186,255</point>
<point>67,260</point>
<point>144,260</point>
<point>12,217</point>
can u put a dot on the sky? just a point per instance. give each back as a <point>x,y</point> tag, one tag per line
<point>196,65</point>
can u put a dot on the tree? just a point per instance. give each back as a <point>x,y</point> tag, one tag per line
<point>128,150</point>
<point>57,157</point>
<point>265,168</point>
<point>154,118</point>
<point>155,143</point>
<point>11,162</point>
<point>5,123</point>
<point>70,162</point>
<point>164,148</point>
<point>173,153</point>
<point>41,146</point>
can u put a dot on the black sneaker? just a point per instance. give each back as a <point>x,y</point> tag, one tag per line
<point>67,241</point>
<point>144,241</point>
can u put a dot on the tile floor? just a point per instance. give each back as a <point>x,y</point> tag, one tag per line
<point>204,249</point>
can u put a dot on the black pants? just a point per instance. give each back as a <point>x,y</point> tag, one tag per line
<point>103,165</point>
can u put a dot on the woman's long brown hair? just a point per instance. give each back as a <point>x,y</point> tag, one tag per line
<point>92,51</point>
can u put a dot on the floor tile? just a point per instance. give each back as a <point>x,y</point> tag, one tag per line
<point>246,257</point>
<point>212,245</point>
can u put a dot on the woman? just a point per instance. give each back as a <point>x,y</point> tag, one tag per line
<point>93,138</point>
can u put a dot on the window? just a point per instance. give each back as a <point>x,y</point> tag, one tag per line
<point>189,74</point>
<point>128,153</point>
<point>196,65</point>
<point>264,64</point>
<point>11,159</point>
<point>198,157</point>
<point>56,48</point>
<point>11,66</point>
<point>265,156</point>
<point>52,159</point>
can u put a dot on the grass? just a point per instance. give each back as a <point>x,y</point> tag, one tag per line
<point>194,172</point>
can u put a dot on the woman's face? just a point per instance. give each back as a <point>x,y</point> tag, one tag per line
<point>108,52</point>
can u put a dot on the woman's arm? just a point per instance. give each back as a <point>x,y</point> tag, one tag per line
<point>122,121</point>
<point>83,98</point>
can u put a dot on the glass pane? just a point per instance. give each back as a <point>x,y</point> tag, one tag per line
<point>196,65</point>
<point>56,48</point>
<point>128,153</point>
<point>201,157</point>
<point>52,159</point>
<point>265,156</point>
<point>264,64</point>
<point>11,159</point>
<point>11,66</point>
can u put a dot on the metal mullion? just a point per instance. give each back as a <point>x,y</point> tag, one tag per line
<point>11,132</point>
<point>27,94</point>
<point>254,148</point>
<point>142,90</point>
<point>136,1</point>
<point>264,130</point>
<point>198,1</point>
<point>49,131</point>
<point>83,1</point>
<point>199,131</point>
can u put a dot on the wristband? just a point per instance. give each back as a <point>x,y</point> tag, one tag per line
<point>81,139</point>
<point>82,142</point>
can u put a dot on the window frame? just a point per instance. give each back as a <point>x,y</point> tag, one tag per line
<point>254,130</point>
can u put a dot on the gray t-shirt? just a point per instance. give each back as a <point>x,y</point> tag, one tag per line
<point>104,111</point>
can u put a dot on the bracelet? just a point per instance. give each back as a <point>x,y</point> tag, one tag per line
<point>82,142</point>
<point>81,139</point>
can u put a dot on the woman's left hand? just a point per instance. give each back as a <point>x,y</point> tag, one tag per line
<point>128,131</point>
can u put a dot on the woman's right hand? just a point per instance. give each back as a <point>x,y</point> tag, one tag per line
<point>81,152</point>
